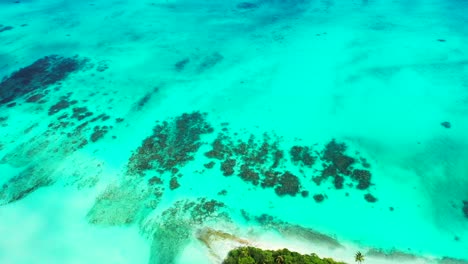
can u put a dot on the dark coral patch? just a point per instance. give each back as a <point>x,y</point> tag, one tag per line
<point>363,177</point>
<point>180,65</point>
<point>270,179</point>
<point>247,5</point>
<point>446,124</point>
<point>210,61</point>
<point>145,99</point>
<point>80,113</point>
<point>35,98</point>
<point>172,144</point>
<point>98,133</point>
<point>249,175</point>
<point>370,198</point>
<point>42,73</point>
<point>465,208</point>
<point>6,28</point>
<point>302,156</point>
<point>64,103</point>
<point>334,153</point>
<point>338,182</point>
<point>339,167</point>
<point>227,167</point>
<point>319,198</point>
<point>289,185</point>
<point>174,183</point>
<point>155,180</point>
<point>209,165</point>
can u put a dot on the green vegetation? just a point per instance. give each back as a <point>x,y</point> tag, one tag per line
<point>251,255</point>
<point>359,257</point>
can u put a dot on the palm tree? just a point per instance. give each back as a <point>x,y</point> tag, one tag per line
<point>279,260</point>
<point>359,257</point>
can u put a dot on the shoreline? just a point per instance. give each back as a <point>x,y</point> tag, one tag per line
<point>221,242</point>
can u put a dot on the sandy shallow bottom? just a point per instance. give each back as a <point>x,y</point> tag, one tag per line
<point>108,162</point>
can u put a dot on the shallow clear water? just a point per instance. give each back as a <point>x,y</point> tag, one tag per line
<point>110,111</point>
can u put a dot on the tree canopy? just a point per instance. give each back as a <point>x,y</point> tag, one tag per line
<point>252,255</point>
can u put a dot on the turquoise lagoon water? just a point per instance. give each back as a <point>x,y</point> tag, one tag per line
<point>110,111</point>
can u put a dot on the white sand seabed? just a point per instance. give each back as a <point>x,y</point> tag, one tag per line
<point>49,226</point>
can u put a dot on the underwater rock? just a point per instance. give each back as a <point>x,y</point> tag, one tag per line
<point>98,133</point>
<point>254,159</point>
<point>210,61</point>
<point>155,180</point>
<point>37,76</point>
<point>173,143</point>
<point>289,185</point>
<point>209,165</point>
<point>338,182</point>
<point>265,219</point>
<point>270,179</point>
<point>370,198</point>
<point>63,104</point>
<point>102,66</point>
<point>363,177</point>
<point>219,148</point>
<point>446,124</point>
<point>246,5</point>
<point>249,175</point>
<point>227,167</point>
<point>319,198</point>
<point>35,98</point>
<point>465,208</point>
<point>6,28</point>
<point>334,153</point>
<point>339,166</point>
<point>143,101</point>
<point>302,155</point>
<point>174,184</point>
<point>80,113</point>
<point>180,65</point>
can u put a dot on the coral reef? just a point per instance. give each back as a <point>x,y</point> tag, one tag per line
<point>302,155</point>
<point>465,208</point>
<point>210,61</point>
<point>173,143</point>
<point>118,205</point>
<point>26,182</point>
<point>288,184</point>
<point>38,76</point>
